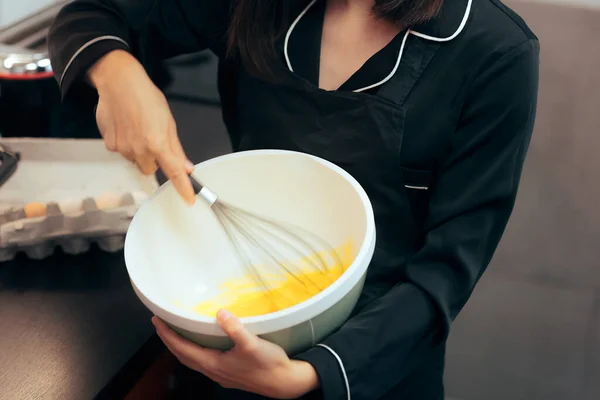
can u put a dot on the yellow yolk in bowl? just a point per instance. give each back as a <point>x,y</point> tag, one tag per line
<point>248,297</point>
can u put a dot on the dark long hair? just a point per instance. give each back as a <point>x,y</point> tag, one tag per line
<point>257,24</point>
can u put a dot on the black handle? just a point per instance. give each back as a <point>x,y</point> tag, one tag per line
<point>195,184</point>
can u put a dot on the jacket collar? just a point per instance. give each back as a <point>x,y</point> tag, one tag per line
<point>448,24</point>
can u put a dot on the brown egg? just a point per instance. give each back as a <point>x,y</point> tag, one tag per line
<point>108,200</point>
<point>139,196</point>
<point>88,204</point>
<point>70,206</point>
<point>34,210</point>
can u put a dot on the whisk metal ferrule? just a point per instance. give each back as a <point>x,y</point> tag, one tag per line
<point>208,195</point>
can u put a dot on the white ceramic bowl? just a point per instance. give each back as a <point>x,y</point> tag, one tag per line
<point>178,256</point>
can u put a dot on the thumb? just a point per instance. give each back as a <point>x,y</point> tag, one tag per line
<point>233,327</point>
<point>100,113</point>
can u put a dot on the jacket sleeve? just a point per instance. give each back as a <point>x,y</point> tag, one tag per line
<point>152,30</point>
<point>470,205</point>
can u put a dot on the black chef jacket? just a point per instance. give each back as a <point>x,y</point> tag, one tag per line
<point>467,83</point>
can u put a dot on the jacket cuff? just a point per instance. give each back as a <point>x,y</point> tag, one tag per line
<point>73,75</point>
<point>330,370</point>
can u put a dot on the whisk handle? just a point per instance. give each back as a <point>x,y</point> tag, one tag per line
<point>197,186</point>
<point>203,191</point>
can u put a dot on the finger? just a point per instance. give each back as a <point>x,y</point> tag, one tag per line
<point>177,149</point>
<point>174,168</point>
<point>146,163</point>
<point>183,349</point>
<point>183,357</point>
<point>233,327</point>
<point>108,134</point>
<point>128,154</point>
<point>125,149</point>
<point>110,140</point>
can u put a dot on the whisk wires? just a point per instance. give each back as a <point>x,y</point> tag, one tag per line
<point>260,242</point>
<point>271,250</point>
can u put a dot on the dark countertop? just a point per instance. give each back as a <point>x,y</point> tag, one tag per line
<point>70,326</point>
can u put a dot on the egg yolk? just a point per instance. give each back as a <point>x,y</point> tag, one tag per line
<point>35,210</point>
<point>249,296</point>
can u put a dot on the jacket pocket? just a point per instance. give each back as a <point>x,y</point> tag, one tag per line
<point>417,184</point>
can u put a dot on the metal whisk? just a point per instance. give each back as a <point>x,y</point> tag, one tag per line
<point>269,248</point>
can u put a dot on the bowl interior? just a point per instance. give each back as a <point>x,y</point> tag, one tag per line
<point>179,256</point>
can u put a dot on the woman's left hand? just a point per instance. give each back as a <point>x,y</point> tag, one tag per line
<point>253,365</point>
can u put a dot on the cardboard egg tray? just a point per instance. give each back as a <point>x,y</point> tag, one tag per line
<point>69,194</point>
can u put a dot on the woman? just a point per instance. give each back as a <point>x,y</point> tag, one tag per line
<point>429,104</point>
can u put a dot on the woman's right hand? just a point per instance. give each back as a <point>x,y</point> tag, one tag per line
<point>135,120</point>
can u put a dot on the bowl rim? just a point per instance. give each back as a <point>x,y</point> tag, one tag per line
<point>281,319</point>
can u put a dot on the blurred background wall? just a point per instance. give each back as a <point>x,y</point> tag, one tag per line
<point>13,10</point>
<point>532,327</point>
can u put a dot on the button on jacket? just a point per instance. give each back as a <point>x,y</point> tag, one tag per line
<point>438,142</point>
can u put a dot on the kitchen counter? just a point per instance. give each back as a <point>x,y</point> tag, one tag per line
<point>72,328</point>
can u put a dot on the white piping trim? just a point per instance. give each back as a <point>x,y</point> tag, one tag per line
<point>339,360</point>
<point>391,74</point>
<point>289,33</point>
<point>85,46</point>
<point>462,25</point>
<point>416,187</point>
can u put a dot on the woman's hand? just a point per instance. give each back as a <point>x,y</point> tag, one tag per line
<point>134,119</point>
<point>253,365</point>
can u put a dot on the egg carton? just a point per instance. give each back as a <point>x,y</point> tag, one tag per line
<point>38,237</point>
<point>70,194</point>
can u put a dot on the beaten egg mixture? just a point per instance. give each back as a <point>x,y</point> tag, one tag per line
<point>247,297</point>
